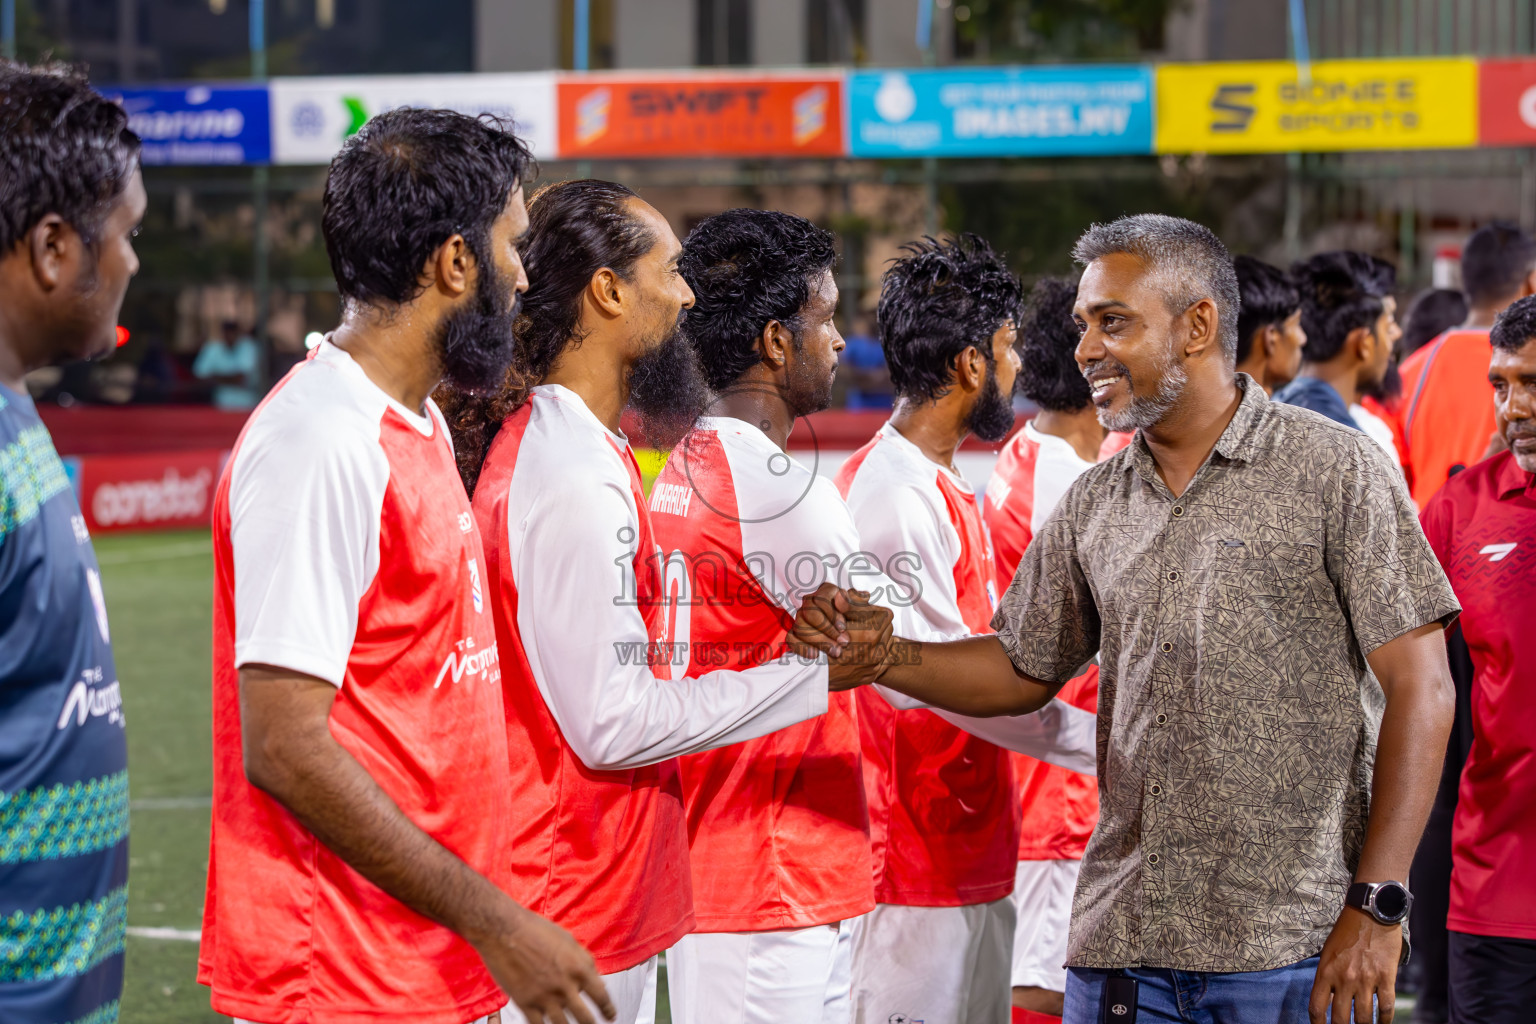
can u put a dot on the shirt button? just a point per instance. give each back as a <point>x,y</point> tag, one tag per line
<point>1156,790</point>
<point>1153,859</point>
<point>1166,647</point>
<point>1162,719</point>
<point>1173,576</point>
<point>1178,510</point>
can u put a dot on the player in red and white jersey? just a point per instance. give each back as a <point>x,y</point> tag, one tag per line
<point>1059,807</point>
<point>778,826</point>
<point>944,810</point>
<point>596,716</point>
<point>360,812</point>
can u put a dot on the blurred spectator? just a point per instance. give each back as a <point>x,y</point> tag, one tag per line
<point>1434,311</point>
<point>863,367</point>
<point>1447,414</point>
<point>1348,314</point>
<point>233,363</point>
<point>1482,526</point>
<point>157,377</point>
<point>1269,334</point>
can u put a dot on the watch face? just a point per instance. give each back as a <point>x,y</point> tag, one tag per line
<point>1391,902</point>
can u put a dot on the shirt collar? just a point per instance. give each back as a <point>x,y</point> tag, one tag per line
<point>1513,480</point>
<point>1239,441</point>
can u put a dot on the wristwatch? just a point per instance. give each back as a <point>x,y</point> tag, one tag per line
<point>1387,902</point>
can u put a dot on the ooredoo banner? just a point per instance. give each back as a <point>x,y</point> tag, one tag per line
<point>1034,111</point>
<point>160,491</point>
<point>312,117</point>
<point>701,116</point>
<point>1507,102</point>
<point>198,125</point>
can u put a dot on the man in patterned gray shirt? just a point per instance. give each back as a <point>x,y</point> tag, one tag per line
<point>1274,695</point>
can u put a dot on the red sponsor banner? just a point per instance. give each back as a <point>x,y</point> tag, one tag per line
<point>160,491</point>
<point>701,116</point>
<point>1507,102</point>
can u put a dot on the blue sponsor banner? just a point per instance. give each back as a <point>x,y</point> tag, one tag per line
<point>1017,111</point>
<point>199,124</point>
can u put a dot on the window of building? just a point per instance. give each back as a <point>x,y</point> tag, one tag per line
<point>834,31</point>
<point>724,32</point>
<point>599,34</point>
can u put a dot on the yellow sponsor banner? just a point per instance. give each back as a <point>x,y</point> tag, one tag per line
<point>1266,107</point>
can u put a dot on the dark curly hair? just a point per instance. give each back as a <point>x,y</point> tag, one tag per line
<point>1340,292</point>
<point>1050,376</point>
<point>936,301</point>
<point>575,229</point>
<point>1516,326</point>
<point>68,151</point>
<point>1269,297</point>
<point>747,267</point>
<point>407,182</point>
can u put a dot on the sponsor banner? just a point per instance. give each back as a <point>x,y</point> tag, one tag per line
<point>165,490</point>
<point>1020,111</point>
<point>1506,102</point>
<point>1416,103</point>
<point>199,125</point>
<point>701,116</point>
<point>312,117</point>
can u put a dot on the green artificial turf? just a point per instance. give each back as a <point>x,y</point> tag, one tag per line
<point>159,597</point>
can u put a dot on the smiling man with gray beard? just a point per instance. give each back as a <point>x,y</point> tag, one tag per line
<point>1274,691</point>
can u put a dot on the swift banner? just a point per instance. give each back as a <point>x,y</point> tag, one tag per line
<point>312,117</point>
<point>701,116</point>
<point>1507,103</point>
<point>1038,111</point>
<point>1419,103</point>
<point>198,125</point>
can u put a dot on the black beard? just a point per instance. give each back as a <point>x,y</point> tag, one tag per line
<point>477,344</point>
<point>668,389</point>
<point>992,416</point>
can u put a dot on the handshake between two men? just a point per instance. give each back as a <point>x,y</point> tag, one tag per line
<point>971,677</point>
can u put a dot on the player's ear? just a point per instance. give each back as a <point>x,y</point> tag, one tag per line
<point>50,242</point>
<point>1363,341</point>
<point>450,266</point>
<point>970,369</point>
<point>605,291</point>
<point>774,344</point>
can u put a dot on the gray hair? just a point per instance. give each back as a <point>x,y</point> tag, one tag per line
<point>1186,260</point>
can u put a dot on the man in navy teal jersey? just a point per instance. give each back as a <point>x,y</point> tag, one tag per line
<point>71,202</point>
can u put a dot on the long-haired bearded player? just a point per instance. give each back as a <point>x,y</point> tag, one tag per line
<point>594,716</point>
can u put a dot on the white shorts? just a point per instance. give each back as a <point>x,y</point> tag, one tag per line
<point>633,993</point>
<point>1042,895</point>
<point>939,965</point>
<point>798,975</point>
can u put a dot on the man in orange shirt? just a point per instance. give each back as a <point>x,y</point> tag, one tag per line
<point>1447,415</point>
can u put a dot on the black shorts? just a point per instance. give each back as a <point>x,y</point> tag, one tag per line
<point>1493,981</point>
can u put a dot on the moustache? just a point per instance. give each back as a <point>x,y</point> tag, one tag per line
<point>1110,363</point>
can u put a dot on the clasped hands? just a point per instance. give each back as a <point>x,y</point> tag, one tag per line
<point>854,635</point>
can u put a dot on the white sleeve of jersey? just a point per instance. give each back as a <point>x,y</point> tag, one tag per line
<point>305,496</point>
<point>586,641</point>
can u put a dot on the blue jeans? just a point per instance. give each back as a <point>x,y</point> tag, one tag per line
<point>1165,996</point>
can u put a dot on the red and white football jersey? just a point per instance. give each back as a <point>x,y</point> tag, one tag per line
<point>344,548</point>
<point>596,712</point>
<point>1033,471</point>
<point>944,810</point>
<point>777,826</point>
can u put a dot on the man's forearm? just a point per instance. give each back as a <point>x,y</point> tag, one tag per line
<point>969,677</point>
<point>332,796</point>
<point>1409,754</point>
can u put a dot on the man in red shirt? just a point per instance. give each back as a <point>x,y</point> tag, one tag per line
<point>1482,525</point>
<point>1447,414</point>
<point>1033,471</point>
<point>361,819</point>
<point>943,805</point>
